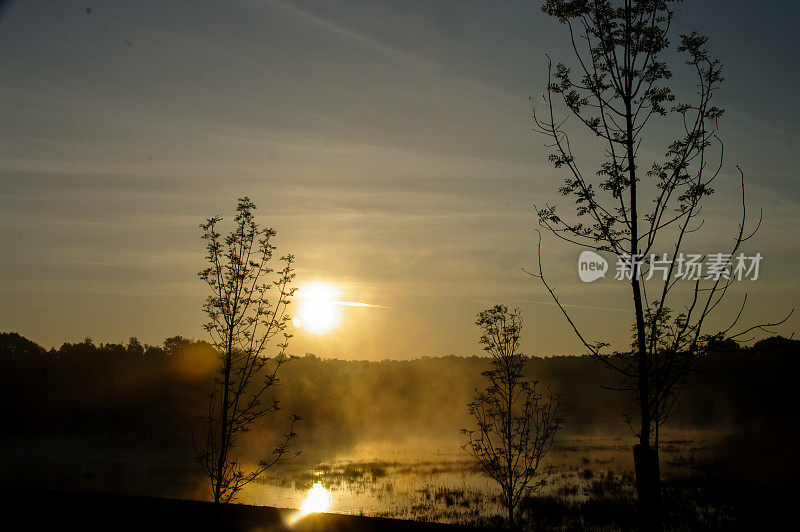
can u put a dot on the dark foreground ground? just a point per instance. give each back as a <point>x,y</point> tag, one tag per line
<point>71,510</point>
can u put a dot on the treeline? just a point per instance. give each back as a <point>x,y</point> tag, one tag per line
<point>161,391</point>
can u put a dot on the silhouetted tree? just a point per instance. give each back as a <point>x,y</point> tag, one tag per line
<point>243,321</point>
<point>15,345</point>
<point>516,423</point>
<point>175,344</point>
<point>630,209</point>
<point>135,347</point>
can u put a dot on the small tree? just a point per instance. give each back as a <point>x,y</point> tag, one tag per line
<point>242,322</point>
<point>618,90</point>
<point>516,423</point>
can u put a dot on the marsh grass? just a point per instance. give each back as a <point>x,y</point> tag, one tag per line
<point>591,486</point>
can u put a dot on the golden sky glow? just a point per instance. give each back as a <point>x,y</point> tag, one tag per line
<point>390,148</point>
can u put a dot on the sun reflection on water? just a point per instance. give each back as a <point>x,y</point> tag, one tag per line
<point>318,499</point>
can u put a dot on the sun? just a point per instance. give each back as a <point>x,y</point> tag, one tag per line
<point>318,307</point>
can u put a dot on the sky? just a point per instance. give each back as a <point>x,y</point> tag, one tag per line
<point>389,144</point>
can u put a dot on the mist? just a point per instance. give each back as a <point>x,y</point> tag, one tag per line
<point>141,405</point>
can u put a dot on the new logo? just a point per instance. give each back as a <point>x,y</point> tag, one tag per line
<point>591,266</point>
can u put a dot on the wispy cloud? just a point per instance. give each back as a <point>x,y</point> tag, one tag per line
<point>357,304</point>
<point>368,42</point>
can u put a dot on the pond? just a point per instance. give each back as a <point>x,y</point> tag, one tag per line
<point>437,481</point>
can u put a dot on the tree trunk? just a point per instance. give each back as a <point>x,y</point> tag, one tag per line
<point>509,443</point>
<point>648,487</point>
<point>223,446</point>
<point>645,458</point>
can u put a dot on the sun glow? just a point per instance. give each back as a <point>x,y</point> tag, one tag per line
<point>318,308</point>
<point>318,500</point>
